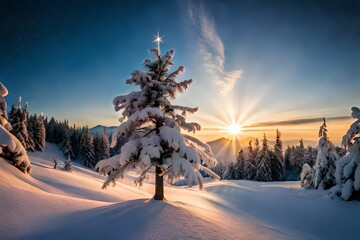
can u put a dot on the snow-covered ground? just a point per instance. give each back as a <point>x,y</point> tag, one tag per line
<point>54,204</point>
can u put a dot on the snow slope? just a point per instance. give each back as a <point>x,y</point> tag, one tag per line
<point>54,204</point>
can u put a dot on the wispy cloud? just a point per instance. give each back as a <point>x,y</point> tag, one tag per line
<point>212,49</point>
<point>296,121</point>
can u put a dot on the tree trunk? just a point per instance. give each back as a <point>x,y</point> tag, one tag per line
<point>159,185</point>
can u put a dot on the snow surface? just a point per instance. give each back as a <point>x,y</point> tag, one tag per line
<point>55,204</point>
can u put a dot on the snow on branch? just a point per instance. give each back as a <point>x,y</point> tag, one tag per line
<point>190,127</point>
<point>135,120</point>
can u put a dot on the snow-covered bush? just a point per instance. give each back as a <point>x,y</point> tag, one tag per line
<point>347,168</point>
<point>10,147</point>
<point>68,165</point>
<point>152,129</point>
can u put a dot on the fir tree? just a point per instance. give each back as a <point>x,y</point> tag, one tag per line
<point>324,168</point>
<point>239,165</point>
<point>66,145</point>
<point>287,165</point>
<point>11,148</point>
<point>348,168</point>
<point>263,171</point>
<point>87,149</point>
<point>19,125</point>
<point>30,137</point>
<point>152,128</point>
<point>249,170</point>
<point>96,143</point>
<point>104,146</point>
<point>277,168</point>
<point>229,173</point>
<point>257,147</point>
<point>322,174</point>
<point>75,140</point>
<point>40,133</point>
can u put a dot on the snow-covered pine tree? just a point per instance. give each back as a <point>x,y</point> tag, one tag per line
<point>257,147</point>
<point>3,105</point>
<point>40,133</point>
<point>277,167</point>
<point>66,144</point>
<point>249,165</point>
<point>348,167</point>
<point>229,173</point>
<point>152,128</point>
<point>239,165</point>
<point>219,169</point>
<point>30,137</point>
<point>87,149</point>
<point>324,169</point>
<point>11,148</point>
<point>19,125</point>
<point>287,165</point>
<point>322,174</point>
<point>263,171</point>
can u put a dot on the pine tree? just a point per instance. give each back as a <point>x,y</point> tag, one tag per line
<point>66,144</point>
<point>152,128</point>
<point>348,168</point>
<point>30,137</point>
<point>322,174</point>
<point>324,168</point>
<point>19,125</point>
<point>75,140</point>
<point>87,149</point>
<point>287,165</point>
<point>297,159</point>
<point>229,173</point>
<point>263,171</point>
<point>239,165</point>
<point>251,153</point>
<point>11,148</point>
<point>249,165</point>
<point>96,143</point>
<point>103,146</point>
<point>40,133</point>
<point>257,147</point>
<point>277,168</point>
<point>50,129</point>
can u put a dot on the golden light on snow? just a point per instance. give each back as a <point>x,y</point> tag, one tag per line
<point>234,129</point>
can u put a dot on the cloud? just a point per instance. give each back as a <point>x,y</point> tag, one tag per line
<point>296,121</point>
<point>212,49</point>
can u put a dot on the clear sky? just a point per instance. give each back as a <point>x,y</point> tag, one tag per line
<point>253,62</point>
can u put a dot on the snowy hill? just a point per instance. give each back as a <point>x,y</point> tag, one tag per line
<point>99,129</point>
<point>54,204</point>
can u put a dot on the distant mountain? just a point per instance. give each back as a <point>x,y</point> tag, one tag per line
<point>99,129</point>
<point>225,150</point>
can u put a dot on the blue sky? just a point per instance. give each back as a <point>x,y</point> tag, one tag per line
<point>252,61</point>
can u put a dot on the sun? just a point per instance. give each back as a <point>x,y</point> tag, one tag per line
<point>234,129</point>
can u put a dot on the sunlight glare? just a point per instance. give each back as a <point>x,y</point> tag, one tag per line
<point>234,129</point>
